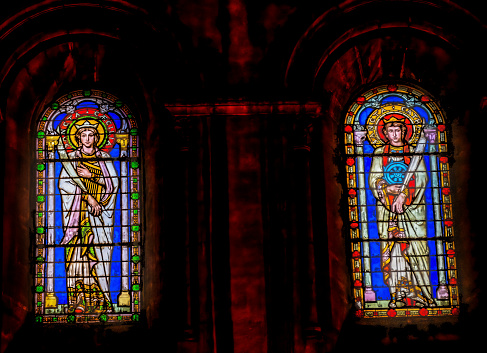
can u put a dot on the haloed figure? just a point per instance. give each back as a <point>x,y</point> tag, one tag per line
<point>88,193</point>
<point>401,216</point>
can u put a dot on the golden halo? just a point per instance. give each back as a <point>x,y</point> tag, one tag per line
<point>375,122</point>
<point>100,127</point>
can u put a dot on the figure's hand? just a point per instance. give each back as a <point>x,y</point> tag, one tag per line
<point>95,206</point>
<point>83,171</point>
<point>393,189</point>
<point>398,204</point>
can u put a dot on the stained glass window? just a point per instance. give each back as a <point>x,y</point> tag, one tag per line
<point>87,211</point>
<point>397,160</point>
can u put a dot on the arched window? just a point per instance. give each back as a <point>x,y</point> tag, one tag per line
<point>87,215</point>
<point>399,204</point>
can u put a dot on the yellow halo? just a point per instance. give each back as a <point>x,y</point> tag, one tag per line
<point>375,118</point>
<point>100,127</point>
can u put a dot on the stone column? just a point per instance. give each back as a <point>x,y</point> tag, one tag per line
<point>442,292</point>
<point>304,225</point>
<point>359,138</point>
<point>51,300</point>
<point>124,298</point>
<point>183,128</point>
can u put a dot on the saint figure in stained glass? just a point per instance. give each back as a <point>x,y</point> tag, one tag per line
<point>88,184</point>
<point>400,207</point>
<point>88,211</point>
<point>398,180</point>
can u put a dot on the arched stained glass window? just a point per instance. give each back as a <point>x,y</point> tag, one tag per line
<point>87,219</point>
<point>399,204</point>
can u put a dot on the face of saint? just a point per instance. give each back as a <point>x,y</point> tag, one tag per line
<point>394,134</point>
<point>87,139</point>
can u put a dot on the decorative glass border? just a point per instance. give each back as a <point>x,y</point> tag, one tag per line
<point>361,137</point>
<point>120,143</point>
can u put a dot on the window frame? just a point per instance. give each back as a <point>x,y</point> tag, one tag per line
<point>125,145</point>
<point>358,130</point>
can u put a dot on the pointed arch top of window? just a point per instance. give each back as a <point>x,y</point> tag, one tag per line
<point>87,211</point>
<point>401,224</point>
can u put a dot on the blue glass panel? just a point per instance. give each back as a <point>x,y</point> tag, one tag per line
<point>116,119</point>
<point>60,290</point>
<point>60,276</point>
<point>59,258</point>
<point>57,120</point>
<point>374,248</point>
<point>392,99</point>
<point>116,164</point>
<point>115,152</point>
<point>116,270</point>
<point>373,230</point>
<point>379,287</point>
<point>433,273</point>
<point>117,237</point>
<point>364,114</point>
<point>432,247</point>
<point>87,104</point>
<point>423,113</point>
<point>428,166</point>
<point>368,148</point>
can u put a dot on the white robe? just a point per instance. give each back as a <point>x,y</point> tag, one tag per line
<point>405,256</point>
<point>81,267</point>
